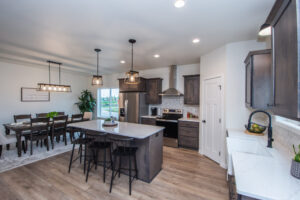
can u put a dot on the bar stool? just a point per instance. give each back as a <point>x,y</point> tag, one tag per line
<point>99,143</point>
<point>122,148</point>
<point>82,141</point>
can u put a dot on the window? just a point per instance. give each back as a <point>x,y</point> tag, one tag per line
<point>108,103</point>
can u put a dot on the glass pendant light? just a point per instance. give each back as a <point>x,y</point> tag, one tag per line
<point>48,87</point>
<point>132,77</point>
<point>97,80</point>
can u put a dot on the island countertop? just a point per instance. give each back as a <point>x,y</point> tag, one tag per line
<point>138,131</point>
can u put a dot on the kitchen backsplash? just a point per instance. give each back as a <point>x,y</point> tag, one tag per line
<point>177,103</point>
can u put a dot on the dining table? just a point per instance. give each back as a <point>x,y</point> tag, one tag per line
<point>21,128</point>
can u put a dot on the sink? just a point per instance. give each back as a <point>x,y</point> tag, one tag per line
<point>249,146</point>
<point>246,146</point>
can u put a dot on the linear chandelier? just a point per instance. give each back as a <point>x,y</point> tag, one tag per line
<point>49,87</point>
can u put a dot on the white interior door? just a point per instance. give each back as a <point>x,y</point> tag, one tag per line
<point>212,118</point>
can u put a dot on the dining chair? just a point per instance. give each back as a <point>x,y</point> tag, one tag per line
<point>58,128</point>
<point>41,115</point>
<point>9,139</point>
<point>60,113</point>
<point>100,143</point>
<point>22,118</point>
<point>74,118</point>
<point>124,149</point>
<point>88,115</point>
<point>39,130</point>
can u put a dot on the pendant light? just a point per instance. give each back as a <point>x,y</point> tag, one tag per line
<point>48,87</point>
<point>265,30</point>
<point>97,80</point>
<point>132,77</point>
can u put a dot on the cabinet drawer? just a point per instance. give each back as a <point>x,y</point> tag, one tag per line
<point>148,121</point>
<point>189,131</point>
<point>188,142</point>
<point>188,124</point>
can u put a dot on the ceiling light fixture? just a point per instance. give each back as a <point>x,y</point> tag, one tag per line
<point>48,87</point>
<point>97,79</point>
<point>265,30</point>
<point>196,40</point>
<point>156,56</point>
<point>179,3</point>
<point>132,77</point>
<point>122,62</point>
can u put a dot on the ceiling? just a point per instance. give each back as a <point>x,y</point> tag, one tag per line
<point>67,31</point>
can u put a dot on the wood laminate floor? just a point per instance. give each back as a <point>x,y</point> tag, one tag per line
<point>185,175</point>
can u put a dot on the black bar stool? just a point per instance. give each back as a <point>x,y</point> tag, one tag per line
<point>123,148</point>
<point>99,143</point>
<point>82,141</point>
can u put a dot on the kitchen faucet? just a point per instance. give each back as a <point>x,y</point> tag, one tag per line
<point>270,133</point>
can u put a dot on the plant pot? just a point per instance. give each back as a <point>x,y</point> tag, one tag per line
<point>295,169</point>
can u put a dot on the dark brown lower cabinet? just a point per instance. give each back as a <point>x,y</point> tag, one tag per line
<point>148,121</point>
<point>188,134</point>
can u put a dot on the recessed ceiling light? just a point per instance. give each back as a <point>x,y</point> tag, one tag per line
<point>156,56</point>
<point>196,40</point>
<point>122,62</point>
<point>179,3</point>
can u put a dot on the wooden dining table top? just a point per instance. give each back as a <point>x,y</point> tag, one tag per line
<point>26,125</point>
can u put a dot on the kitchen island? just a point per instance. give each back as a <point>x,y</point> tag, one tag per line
<point>148,139</point>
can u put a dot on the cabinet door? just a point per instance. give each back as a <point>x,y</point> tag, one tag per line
<point>154,87</point>
<point>141,87</point>
<point>248,89</point>
<point>191,90</point>
<point>285,57</point>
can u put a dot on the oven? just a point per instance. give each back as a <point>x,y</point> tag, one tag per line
<point>171,127</point>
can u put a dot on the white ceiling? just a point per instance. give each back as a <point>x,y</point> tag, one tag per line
<point>67,31</point>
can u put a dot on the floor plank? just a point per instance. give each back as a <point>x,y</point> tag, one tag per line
<point>185,175</point>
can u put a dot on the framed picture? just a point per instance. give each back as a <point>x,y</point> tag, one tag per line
<point>33,95</point>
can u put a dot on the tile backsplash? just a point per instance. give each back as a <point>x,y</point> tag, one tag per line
<point>176,103</point>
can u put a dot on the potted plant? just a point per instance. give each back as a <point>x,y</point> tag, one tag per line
<point>86,102</point>
<point>52,114</point>
<point>295,169</point>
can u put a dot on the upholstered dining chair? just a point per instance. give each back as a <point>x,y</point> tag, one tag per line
<point>88,115</point>
<point>10,139</point>
<point>41,115</point>
<point>22,118</point>
<point>58,128</point>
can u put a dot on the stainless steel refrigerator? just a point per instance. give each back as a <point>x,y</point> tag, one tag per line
<point>132,105</point>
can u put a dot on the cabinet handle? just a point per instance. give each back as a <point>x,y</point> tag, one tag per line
<point>203,121</point>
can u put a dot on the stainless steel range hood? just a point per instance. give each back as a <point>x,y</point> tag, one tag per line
<point>172,91</point>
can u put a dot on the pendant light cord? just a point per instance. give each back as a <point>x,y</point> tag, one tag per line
<point>97,63</point>
<point>131,56</point>
<point>59,73</point>
<point>49,74</point>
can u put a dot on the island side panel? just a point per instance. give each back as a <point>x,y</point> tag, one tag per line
<point>155,154</point>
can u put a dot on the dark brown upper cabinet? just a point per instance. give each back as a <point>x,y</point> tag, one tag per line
<point>286,60</point>
<point>191,89</point>
<point>258,91</point>
<point>140,87</point>
<point>154,87</point>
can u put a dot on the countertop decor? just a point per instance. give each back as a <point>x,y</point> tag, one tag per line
<point>295,168</point>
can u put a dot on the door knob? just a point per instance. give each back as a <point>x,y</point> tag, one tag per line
<point>203,121</point>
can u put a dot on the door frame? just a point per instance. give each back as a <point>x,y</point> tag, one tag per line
<point>221,160</point>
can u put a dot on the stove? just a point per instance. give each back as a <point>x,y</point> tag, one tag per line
<point>169,120</point>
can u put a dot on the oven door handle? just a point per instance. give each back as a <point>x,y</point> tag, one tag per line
<point>164,120</point>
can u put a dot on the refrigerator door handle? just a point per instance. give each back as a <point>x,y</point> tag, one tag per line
<point>126,114</point>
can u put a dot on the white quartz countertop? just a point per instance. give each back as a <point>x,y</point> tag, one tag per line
<point>189,119</point>
<point>150,116</point>
<point>138,131</point>
<point>261,172</point>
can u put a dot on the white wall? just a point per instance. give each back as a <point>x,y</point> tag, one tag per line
<point>228,61</point>
<point>15,76</point>
<point>236,112</point>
